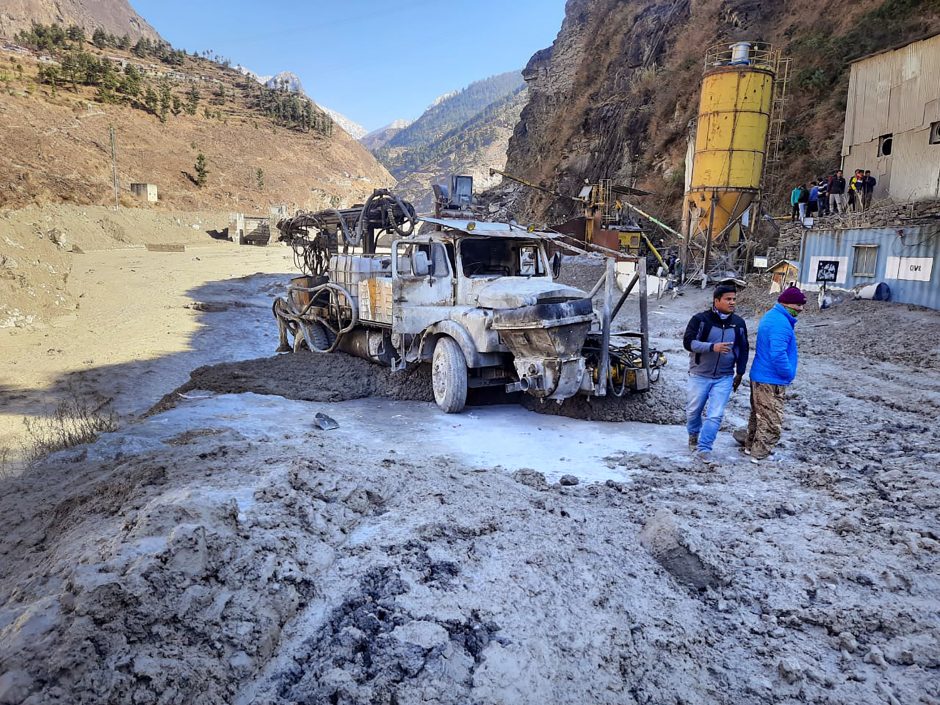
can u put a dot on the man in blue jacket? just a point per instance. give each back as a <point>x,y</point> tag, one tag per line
<point>717,343</point>
<point>774,368</point>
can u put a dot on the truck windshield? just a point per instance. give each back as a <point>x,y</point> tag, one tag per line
<point>488,257</point>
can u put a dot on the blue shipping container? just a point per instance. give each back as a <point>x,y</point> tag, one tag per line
<point>907,259</point>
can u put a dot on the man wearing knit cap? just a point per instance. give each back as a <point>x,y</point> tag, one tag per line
<point>773,369</point>
<point>717,343</point>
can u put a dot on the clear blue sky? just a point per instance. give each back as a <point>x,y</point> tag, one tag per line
<point>372,60</point>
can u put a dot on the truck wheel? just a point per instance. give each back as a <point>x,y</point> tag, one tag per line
<point>314,333</point>
<point>449,376</point>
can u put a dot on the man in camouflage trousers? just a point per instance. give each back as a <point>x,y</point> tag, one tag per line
<point>773,369</point>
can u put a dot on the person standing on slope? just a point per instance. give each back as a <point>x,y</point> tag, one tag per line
<point>774,368</point>
<point>718,348</point>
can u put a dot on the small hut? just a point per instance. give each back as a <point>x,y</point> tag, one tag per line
<point>783,274</point>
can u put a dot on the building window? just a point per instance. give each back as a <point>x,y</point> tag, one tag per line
<point>884,145</point>
<point>935,132</point>
<point>865,258</point>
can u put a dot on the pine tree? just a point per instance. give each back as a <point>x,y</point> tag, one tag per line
<point>192,100</point>
<point>165,101</point>
<point>76,34</point>
<point>200,168</point>
<point>99,38</point>
<point>151,101</point>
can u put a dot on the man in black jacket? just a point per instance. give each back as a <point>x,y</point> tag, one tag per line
<point>717,343</point>
<point>837,193</point>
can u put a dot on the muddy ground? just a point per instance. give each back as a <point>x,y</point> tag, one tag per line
<point>227,551</point>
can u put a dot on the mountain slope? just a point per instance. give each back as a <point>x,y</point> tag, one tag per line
<point>380,137</point>
<point>411,147</point>
<point>114,16</point>
<point>352,128</point>
<point>471,148</point>
<point>628,76</point>
<point>262,146</point>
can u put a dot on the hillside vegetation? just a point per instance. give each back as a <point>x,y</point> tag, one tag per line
<point>62,91</point>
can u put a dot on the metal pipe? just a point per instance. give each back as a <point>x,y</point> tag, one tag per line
<point>654,220</point>
<point>597,287</point>
<point>644,317</point>
<point>604,371</point>
<point>708,239</point>
<point>623,297</point>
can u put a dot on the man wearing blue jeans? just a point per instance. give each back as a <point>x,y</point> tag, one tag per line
<point>717,343</point>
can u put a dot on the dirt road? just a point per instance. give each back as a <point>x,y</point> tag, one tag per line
<point>227,551</point>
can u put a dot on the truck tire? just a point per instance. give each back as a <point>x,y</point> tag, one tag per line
<point>318,334</point>
<point>449,376</point>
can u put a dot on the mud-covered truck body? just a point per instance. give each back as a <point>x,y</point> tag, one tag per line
<point>477,300</point>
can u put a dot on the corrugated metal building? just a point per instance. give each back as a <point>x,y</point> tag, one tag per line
<point>905,258</point>
<point>892,121</point>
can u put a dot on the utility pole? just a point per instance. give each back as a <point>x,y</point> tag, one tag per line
<point>114,172</point>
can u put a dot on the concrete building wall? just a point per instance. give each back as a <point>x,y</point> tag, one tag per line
<point>896,93</point>
<point>146,192</point>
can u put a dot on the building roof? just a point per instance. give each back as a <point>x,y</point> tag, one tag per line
<point>895,47</point>
<point>482,228</point>
<point>793,264</point>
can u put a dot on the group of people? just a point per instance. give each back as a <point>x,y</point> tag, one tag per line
<point>833,194</point>
<point>718,354</point>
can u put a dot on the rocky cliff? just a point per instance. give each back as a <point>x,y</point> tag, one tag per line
<point>114,16</point>
<point>614,95</point>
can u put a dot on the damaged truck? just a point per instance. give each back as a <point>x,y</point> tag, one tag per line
<point>477,300</point>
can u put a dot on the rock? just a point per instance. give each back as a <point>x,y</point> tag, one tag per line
<point>847,642</point>
<point>530,478</point>
<point>568,481</point>
<point>875,657</point>
<point>664,540</point>
<point>59,239</point>
<point>790,669</point>
<point>14,687</point>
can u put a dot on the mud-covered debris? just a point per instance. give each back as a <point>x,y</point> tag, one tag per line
<point>531,478</point>
<point>324,422</point>
<point>664,540</point>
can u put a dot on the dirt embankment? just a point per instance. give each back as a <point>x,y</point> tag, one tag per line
<point>38,247</point>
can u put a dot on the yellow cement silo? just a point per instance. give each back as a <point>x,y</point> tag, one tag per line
<point>730,145</point>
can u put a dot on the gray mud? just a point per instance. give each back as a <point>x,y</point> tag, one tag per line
<point>335,377</point>
<point>307,376</point>
<point>663,404</point>
<point>180,561</point>
<point>581,271</point>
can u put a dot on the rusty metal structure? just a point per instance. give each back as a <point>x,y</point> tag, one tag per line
<point>476,299</point>
<point>729,152</point>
